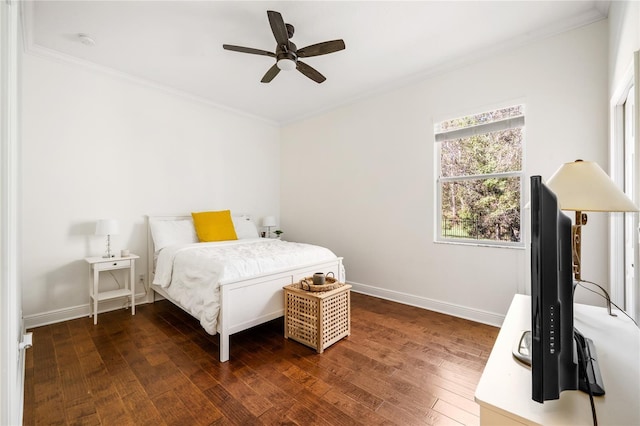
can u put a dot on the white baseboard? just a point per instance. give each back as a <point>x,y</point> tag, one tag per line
<point>472,314</point>
<point>459,311</point>
<point>66,314</point>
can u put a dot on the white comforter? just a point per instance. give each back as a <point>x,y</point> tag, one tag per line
<point>192,273</point>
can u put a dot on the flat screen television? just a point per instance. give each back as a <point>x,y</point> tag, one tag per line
<point>550,347</point>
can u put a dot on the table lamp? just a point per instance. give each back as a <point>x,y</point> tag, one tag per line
<point>269,222</point>
<point>583,186</point>
<point>107,227</point>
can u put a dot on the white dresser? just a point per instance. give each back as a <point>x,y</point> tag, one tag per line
<point>504,391</point>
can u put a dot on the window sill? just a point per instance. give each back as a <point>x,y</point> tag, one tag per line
<point>517,246</point>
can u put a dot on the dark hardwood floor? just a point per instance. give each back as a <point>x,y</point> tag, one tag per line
<point>401,365</point>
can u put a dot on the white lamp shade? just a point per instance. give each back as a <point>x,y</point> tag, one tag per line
<point>584,186</point>
<point>269,221</point>
<point>107,227</point>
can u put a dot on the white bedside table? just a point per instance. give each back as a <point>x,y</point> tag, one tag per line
<point>99,264</point>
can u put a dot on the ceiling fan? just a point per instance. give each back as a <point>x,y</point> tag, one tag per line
<point>287,54</point>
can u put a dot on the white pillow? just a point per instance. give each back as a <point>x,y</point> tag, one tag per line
<point>168,232</point>
<point>245,228</point>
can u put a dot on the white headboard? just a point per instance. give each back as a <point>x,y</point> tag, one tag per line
<point>150,245</point>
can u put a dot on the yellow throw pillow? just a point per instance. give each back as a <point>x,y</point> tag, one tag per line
<point>214,226</point>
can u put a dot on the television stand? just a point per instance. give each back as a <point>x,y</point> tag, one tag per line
<point>592,381</point>
<point>504,390</point>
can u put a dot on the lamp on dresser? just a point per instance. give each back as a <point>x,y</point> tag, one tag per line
<point>582,186</point>
<point>107,227</point>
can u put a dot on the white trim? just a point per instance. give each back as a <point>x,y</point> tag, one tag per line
<point>481,129</point>
<point>454,113</point>
<point>439,180</point>
<point>588,17</point>
<point>75,312</point>
<point>440,137</point>
<point>459,311</point>
<point>500,175</point>
<point>53,55</point>
<point>616,222</point>
<point>616,172</point>
<point>634,292</point>
<point>12,365</point>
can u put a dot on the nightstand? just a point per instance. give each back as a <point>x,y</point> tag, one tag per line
<point>101,264</point>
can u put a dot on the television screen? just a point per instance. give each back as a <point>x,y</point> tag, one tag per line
<point>554,364</point>
<point>557,362</point>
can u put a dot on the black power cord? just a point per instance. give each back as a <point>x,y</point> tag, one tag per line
<point>582,357</point>
<point>605,296</point>
<point>582,360</point>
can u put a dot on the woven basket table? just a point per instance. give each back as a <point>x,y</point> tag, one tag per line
<point>317,318</point>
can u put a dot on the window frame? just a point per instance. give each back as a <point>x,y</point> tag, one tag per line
<point>498,125</point>
<point>628,298</point>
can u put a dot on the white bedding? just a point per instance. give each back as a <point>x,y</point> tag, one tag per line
<point>192,273</point>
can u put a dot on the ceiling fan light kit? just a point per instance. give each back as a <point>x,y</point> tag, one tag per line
<point>287,54</point>
<point>286,64</point>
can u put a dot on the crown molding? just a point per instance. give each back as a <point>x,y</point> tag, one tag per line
<point>33,49</point>
<point>56,56</point>
<point>588,17</point>
<point>598,12</point>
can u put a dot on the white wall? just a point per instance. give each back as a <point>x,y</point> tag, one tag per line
<point>360,179</point>
<point>100,146</point>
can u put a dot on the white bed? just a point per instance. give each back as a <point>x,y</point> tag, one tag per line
<point>250,286</point>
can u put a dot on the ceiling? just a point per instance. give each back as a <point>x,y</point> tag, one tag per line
<point>177,45</point>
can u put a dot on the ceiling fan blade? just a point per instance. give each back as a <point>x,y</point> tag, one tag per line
<point>310,72</point>
<point>248,50</point>
<point>270,75</point>
<point>321,48</point>
<point>278,27</point>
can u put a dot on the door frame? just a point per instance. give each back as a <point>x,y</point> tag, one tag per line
<point>630,79</point>
<point>11,325</point>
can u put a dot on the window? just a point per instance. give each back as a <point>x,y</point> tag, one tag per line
<point>480,177</point>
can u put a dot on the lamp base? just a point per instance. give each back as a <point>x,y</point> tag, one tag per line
<point>576,230</point>
<point>108,254</point>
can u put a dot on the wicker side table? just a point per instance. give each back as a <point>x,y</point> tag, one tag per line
<point>317,319</point>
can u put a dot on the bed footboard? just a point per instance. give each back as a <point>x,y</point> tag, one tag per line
<point>247,303</point>
<point>250,302</point>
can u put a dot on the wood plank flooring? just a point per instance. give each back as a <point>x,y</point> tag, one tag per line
<point>401,365</point>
